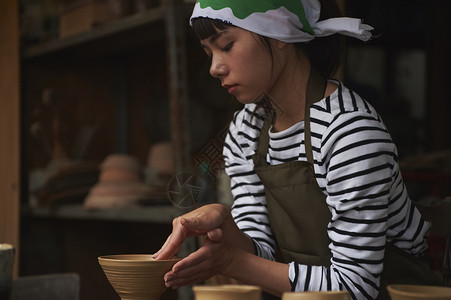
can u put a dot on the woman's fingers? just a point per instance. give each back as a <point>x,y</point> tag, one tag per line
<point>204,220</point>
<point>173,243</point>
<point>194,259</point>
<point>194,225</point>
<point>157,254</point>
<point>207,261</point>
<point>192,276</point>
<point>215,235</point>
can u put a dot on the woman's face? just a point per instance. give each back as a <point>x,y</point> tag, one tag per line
<point>242,62</point>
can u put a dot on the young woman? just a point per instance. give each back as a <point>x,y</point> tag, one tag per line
<point>319,201</point>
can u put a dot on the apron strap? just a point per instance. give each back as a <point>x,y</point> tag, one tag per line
<point>316,88</point>
<point>262,147</point>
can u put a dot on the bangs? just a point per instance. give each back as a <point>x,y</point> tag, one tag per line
<point>205,27</point>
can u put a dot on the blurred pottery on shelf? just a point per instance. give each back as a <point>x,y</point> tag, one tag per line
<point>136,276</point>
<point>120,184</point>
<point>120,167</point>
<point>161,158</point>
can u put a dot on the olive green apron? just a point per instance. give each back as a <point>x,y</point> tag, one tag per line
<point>298,213</point>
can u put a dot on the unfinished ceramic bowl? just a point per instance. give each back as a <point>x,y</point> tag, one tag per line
<point>136,276</point>
<point>227,292</point>
<point>326,295</point>
<point>418,292</point>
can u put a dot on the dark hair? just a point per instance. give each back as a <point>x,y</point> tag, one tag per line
<point>324,53</point>
<point>205,28</point>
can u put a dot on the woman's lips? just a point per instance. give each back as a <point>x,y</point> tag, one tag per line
<point>231,89</point>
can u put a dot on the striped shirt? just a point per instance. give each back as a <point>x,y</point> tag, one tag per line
<point>356,166</point>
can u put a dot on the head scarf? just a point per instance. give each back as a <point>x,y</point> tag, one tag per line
<point>288,21</point>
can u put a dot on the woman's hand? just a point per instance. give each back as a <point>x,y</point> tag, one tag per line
<point>210,259</point>
<point>223,240</point>
<point>218,257</point>
<point>206,220</point>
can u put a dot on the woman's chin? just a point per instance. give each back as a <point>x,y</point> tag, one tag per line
<point>247,100</point>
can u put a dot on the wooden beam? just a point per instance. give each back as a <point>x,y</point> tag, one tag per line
<point>9,126</point>
<point>178,90</point>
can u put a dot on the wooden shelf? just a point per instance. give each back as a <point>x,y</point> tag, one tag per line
<point>74,65</point>
<point>138,31</point>
<point>162,214</point>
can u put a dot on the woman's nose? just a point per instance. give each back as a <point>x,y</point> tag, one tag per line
<point>218,68</point>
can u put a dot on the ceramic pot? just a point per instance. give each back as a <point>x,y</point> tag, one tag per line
<point>161,158</point>
<point>227,292</point>
<point>120,184</point>
<point>136,276</point>
<point>418,292</point>
<point>326,295</point>
<point>7,253</point>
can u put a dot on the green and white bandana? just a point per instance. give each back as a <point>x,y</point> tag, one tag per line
<point>288,21</point>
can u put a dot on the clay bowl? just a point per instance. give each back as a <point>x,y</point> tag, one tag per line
<point>418,292</point>
<point>227,292</point>
<point>136,276</point>
<point>326,295</point>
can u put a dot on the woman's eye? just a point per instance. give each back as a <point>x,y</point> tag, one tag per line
<point>228,47</point>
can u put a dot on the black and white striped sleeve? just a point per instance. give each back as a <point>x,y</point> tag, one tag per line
<point>357,161</point>
<point>249,209</point>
